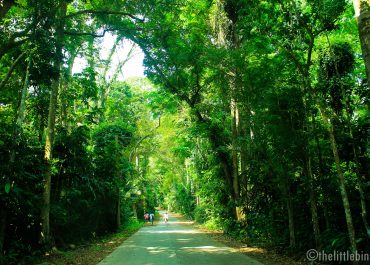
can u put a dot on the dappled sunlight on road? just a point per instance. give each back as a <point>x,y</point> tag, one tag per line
<point>175,243</point>
<point>181,222</point>
<point>209,249</point>
<point>183,239</point>
<point>154,250</point>
<point>173,232</point>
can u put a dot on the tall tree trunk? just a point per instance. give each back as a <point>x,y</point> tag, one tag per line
<point>363,207</point>
<point>362,13</point>
<point>359,177</point>
<point>20,115</point>
<point>64,111</point>
<point>284,183</point>
<point>291,222</point>
<point>45,209</point>
<point>134,210</point>
<point>313,205</point>
<point>342,186</point>
<point>360,184</point>
<point>3,225</point>
<point>289,206</point>
<point>234,154</point>
<point>308,170</point>
<point>321,171</point>
<point>118,176</point>
<point>244,175</point>
<point>22,105</point>
<point>118,217</point>
<point>305,72</point>
<point>309,174</point>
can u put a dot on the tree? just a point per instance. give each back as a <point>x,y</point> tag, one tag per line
<point>362,13</point>
<point>45,236</point>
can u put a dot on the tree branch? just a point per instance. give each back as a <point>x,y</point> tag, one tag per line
<point>103,12</point>
<point>96,35</point>
<point>92,34</point>
<point>12,43</point>
<point>4,49</point>
<point>15,63</point>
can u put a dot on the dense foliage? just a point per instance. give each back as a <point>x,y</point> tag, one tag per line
<point>254,118</point>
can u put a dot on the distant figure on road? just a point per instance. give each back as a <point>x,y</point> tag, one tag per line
<point>146,217</point>
<point>151,217</point>
<point>165,217</point>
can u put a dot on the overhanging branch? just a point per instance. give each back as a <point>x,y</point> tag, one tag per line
<point>92,34</point>
<point>99,35</point>
<point>103,12</point>
<point>15,63</point>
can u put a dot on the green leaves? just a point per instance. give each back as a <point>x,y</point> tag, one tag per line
<point>7,187</point>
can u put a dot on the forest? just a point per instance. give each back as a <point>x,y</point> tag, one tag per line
<point>252,118</point>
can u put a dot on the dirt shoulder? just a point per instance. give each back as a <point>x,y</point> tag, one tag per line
<point>88,254</point>
<point>268,257</point>
<point>265,256</point>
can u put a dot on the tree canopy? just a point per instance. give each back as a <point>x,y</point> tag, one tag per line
<point>253,118</point>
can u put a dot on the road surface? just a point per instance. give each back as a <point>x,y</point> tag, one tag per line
<point>174,243</point>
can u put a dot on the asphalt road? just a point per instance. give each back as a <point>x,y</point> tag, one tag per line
<point>174,243</point>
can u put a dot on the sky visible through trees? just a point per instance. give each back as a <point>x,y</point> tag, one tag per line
<point>132,68</point>
<point>247,116</point>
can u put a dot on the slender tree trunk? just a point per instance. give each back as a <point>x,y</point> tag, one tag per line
<point>118,218</point>
<point>287,198</point>
<point>22,105</point>
<point>362,13</point>
<point>64,98</point>
<point>234,154</point>
<point>313,204</point>
<point>244,175</point>
<point>20,115</point>
<point>304,70</point>
<point>12,68</point>
<point>342,186</point>
<point>45,209</point>
<point>363,208</point>
<point>289,206</point>
<point>228,37</point>
<point>227,172</point>
<point>359,177</point>
<point>360,184</point>
<point>3,225</point>
<point>291,223</point>
<point>118,177</point>
<point>227,168</point>
<point>309,175</point>
<point>321,171</point>
<point>134,210</point>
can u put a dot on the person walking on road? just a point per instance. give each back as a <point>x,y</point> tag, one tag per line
<point>146,217</point>
<point>165,217</point>
<point>151,217</point>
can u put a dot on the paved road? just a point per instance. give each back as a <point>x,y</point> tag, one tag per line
<point>174,243</point>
